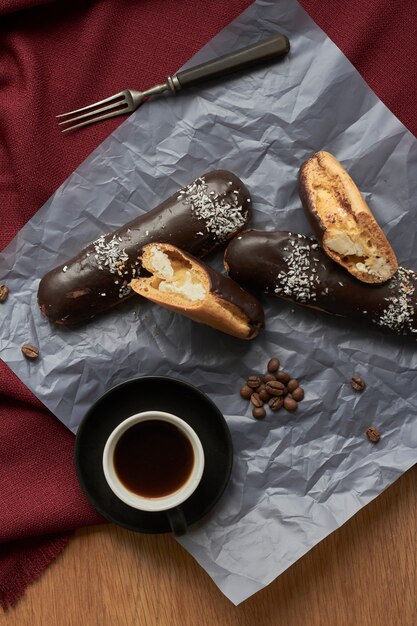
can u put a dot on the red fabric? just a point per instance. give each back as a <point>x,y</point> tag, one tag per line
<point>57,55</point>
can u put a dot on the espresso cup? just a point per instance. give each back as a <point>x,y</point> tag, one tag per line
<point>154,461</point>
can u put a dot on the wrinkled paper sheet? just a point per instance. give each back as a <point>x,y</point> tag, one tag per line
<point>296,478</point>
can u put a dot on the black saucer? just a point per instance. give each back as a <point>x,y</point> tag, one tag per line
<point>160,394</point>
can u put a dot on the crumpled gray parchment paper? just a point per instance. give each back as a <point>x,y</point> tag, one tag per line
<point>296,477</point>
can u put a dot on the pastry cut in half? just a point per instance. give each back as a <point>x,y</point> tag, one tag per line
<point>185,285</point>
<point>295,268</point>
<point>343,222</point>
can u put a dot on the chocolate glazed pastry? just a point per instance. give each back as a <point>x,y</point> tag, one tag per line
<point>198,218</point>
<point>184,284</point>
<point>295,268</point>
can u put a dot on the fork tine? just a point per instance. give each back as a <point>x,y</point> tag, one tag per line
<point>121,94</point>
<point>94,119</point>
<point>98,111</point>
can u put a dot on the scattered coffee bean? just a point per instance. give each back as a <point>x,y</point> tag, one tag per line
<point>358,383</point>
<point>246,392</point>
<point>259,413</point>
<point>292,384</point>
<point>263,394</point>
<point>276,403</point>
<point>267,378</point>
<point>283,377</point>
<point>290,404</point>
<point>275,388</point>
<point>273,365</point>
<point>298,394</point>
<point>253,382</point>
<point>4,293</point>
<point>30,352</point>
<point>373,434</point>
<point>256,400</point>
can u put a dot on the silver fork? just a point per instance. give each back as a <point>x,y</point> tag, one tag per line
<point>129,100</point>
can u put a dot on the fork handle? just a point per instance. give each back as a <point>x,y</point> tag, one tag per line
<point>260,52</point>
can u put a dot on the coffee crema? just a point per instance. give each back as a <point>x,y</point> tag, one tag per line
<point>153,459</point>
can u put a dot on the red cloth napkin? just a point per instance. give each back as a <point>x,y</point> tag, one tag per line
<point>56,56</point>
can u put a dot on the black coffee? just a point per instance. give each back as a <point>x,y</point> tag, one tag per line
<point>153,459</point>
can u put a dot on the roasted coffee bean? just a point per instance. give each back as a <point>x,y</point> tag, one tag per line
<point>4,293</point>
<point>283,377</point>
<point>267,378</point>
<point>290,404</point>
<point>253,382</point>
<point>256,400</point>
<point>273,365</point>
<point>263,394</point>
<point>292,384</point>
<point>298,394</point>
<point>259,413</point>
<point>275,388</point>
<point>358,383</point>
<point>246,392</point>
<point>373,434</point>
<point>30,352</point>
<point>276,403</point>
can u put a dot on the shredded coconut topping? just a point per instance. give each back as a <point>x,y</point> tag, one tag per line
<point>111,256</point>
<point>399,312</point>
<point>222,212</point>
<point>300,280</point>
<point>124,290</point>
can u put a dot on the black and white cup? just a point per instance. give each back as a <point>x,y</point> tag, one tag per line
<point>153,461</point>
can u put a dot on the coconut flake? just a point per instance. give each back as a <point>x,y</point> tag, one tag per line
<point>399,314</point>
<point>110,255</point>
<point>300,280</point>
<point>222,213</point>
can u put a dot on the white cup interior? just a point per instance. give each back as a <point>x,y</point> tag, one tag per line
<point>165,502</point>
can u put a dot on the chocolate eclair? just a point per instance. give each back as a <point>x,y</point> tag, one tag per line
<point>198,218</point>
<point>342,221</point>
<point>183,284</point>
<point>295,268</point>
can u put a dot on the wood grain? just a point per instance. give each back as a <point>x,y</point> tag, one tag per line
<point>364,574</point>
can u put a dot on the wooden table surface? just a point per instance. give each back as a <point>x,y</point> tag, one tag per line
<point>363,574</point>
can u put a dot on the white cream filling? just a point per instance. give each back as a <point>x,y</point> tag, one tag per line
<point>181,282</point>
<point>378,267</point>
<point>342,244</point>
<point>161,263</point>
<point>186,287</point>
